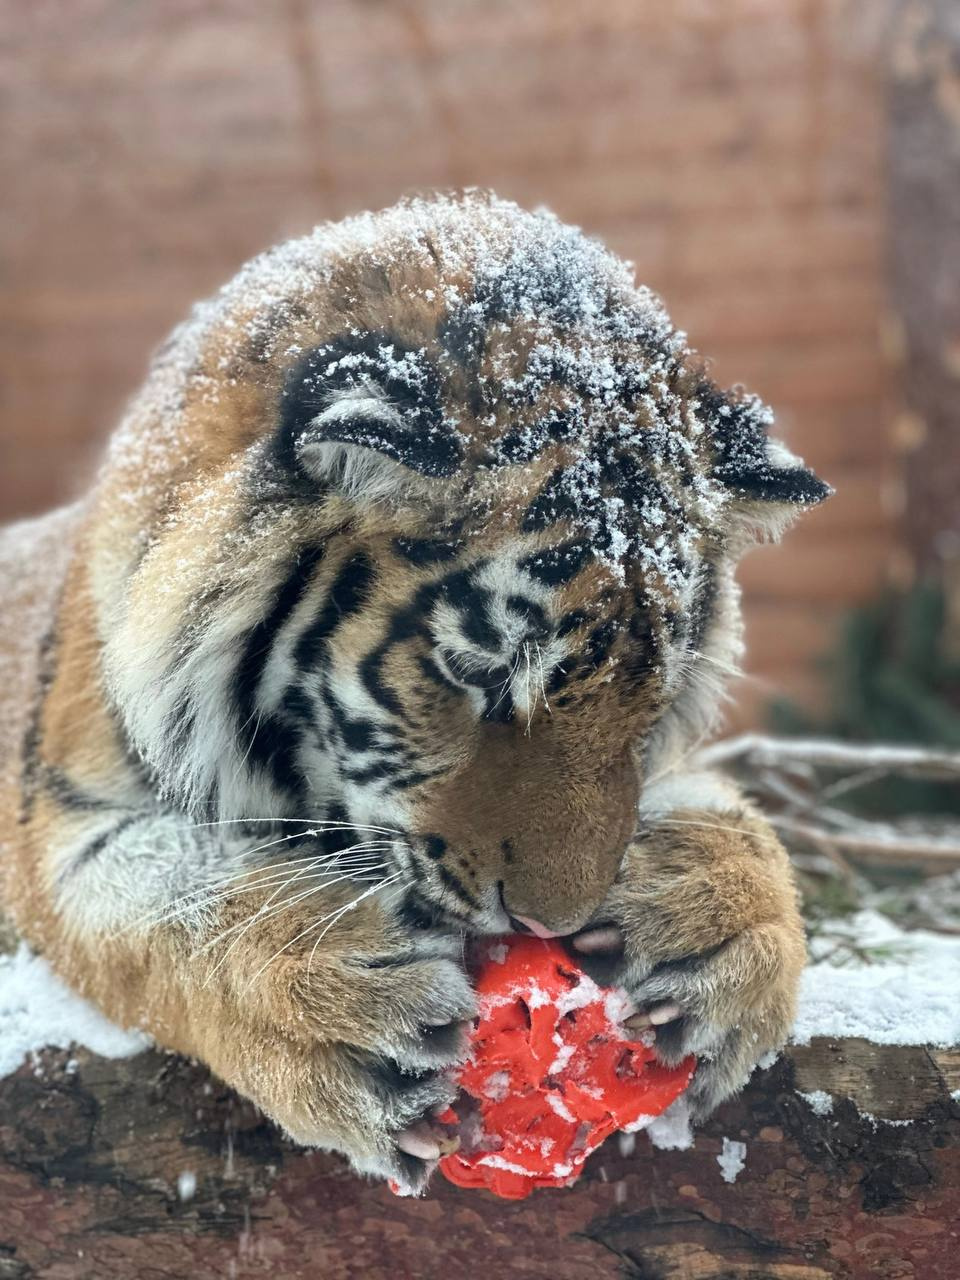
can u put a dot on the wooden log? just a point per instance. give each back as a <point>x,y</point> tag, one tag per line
<point>148,1168</point>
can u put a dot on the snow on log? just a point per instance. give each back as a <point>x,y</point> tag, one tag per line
<point>841,1159</point>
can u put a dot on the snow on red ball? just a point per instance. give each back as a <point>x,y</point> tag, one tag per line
<point>551,1073</point>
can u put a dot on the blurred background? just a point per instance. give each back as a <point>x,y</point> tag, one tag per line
<point>786,173</point>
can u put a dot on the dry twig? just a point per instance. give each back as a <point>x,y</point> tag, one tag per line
<point>796,780</point>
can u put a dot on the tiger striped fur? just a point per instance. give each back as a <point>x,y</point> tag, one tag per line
<point>402,598</point>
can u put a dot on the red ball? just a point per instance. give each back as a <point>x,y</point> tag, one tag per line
<point>550,1075</point>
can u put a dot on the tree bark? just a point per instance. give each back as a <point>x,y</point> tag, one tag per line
<point>149,1168</point>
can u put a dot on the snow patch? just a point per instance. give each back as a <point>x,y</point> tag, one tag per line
<point>497,1086</point>
<point>819,1102</point>
<point>557,1104</point>
<point>37,1010</point>
<point>732,1159</point>
<point>877,1121</point>
<point>500,1162</point>
<point>564,1054</point>
<point>671,1131</point>
<point>905,994</point>
<point>617,1006</point>
<point>641,1122</point>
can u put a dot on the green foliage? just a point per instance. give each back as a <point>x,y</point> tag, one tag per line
<point>827,898</point>
<point>893,678</point>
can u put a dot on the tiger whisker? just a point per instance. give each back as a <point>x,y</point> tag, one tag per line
<point>313,824</point>
<point>531,703</point>
<point>259,916</point>
<point>222,890</point>
<point>674,765</point>
<point>543,687</point>
<point>711,826</point>
<point>266,909</point>
<point>243,855</point>
<point>358,853</point>
<point>194,898</point>
<point>253,737</point>
<point>730,668</point>
<point>506,685</point>
<point>333,917</point>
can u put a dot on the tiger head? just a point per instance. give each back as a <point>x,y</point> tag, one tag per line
<point>426,526</point>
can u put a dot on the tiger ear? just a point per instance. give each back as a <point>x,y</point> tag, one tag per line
<point>768,485</point>
<point>363,416</point>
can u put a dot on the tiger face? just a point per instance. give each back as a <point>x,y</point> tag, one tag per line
<point>425,529</point>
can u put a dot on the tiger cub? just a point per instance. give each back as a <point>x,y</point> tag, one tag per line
<point>403,596</point>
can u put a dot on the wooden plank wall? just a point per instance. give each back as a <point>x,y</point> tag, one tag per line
<point>734,151</point>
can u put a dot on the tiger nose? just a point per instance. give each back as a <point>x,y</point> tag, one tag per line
<point>529,925</point>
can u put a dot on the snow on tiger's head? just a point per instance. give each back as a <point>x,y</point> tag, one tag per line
<point>462,435</point>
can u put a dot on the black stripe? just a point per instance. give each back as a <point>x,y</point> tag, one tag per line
<point>30,748</point>
<point>376,772</point>
<point>69,795</point>
<point>178,725</point>
<point>269,745</point>
<point>599,643</point>
<point>346,595</point>
<point>371,673</point>
<point>703,606</point>
<point>556,501</point>
<point>770,484</point>
<point>299,708</point>
<point>524,443</point>
<point>473,602</point>
<point>423,440</point>
<point>437,675</point>
<point>557,565</point>
<point>499,706</point>
<point>640,659</point>
<point>357,735</point>
<point>738,428</point>
<point>404,625</point>
<point>485,678</point>
<point>333,840</point>
<point>533,613</point>
<point>457,886</point>
<point>100,842</point>
<point>560,675</point>
<point>414,779</point>
<point>424,551</point>
<point>259,638</point>
<point>419,913</point>
<point>572,621</point>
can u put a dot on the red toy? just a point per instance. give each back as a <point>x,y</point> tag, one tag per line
<point>551,1074</point>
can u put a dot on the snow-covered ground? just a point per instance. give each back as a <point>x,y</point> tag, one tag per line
<point>36,1009</point>
<point>907,990</point>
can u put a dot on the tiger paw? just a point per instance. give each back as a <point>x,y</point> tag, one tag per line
<point>348,1045</point>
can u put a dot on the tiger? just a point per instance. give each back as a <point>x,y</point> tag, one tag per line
<point>394,617</point>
